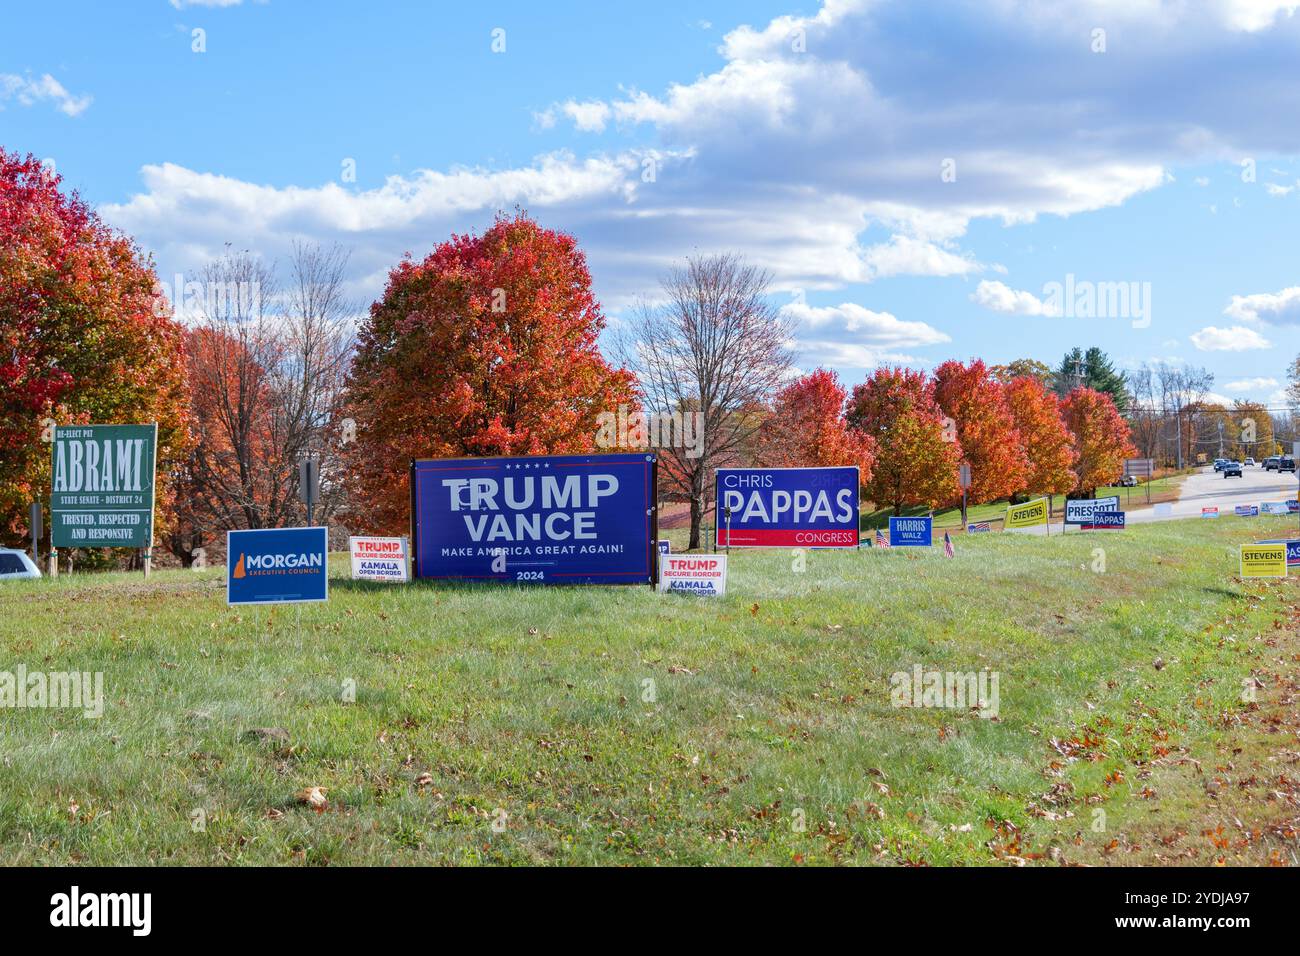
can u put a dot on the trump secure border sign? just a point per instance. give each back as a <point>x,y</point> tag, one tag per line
<point>787,507</point>
<point>566,519</point>
<point>102,492</point>
<point>277,566</point>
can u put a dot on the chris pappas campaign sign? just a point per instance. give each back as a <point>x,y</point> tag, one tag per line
<point>787,507</point>
<point>567,519</point>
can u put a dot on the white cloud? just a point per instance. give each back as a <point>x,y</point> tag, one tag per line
<point>1250,384</point>
<point>999,297</point>
<point>588,117</point>
<point>868,328</point>
<point>1273,189</point>
<point>1235,339</point>
<point>1275,307</point>
<point>849,355</point>
<point>29,91</point>
<point>1202,181</point>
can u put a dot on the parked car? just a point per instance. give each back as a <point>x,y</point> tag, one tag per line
<point>1128,481</point>
<point>15,565</point>
<point>1232,469</point>
<point>1286,463</point>
<point>1270,464</point>
<point>1249,462</point>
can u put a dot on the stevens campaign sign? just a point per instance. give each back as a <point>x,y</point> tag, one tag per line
<point>580,519</point>
<point>787,507</point>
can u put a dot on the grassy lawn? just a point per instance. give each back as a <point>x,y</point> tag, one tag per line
<point>618,726</point>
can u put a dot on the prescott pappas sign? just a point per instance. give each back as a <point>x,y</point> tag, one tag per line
<point>102,492</point>
<point>1104,521</point>
<point>1263,560</point>
<point>1292,551</point>
<point>378,559</point>
<point>566,519</point>
<point>277,566</point>
<point>704,574</point>
<point>910,532</point>
<point>1080,510</point>
<point>787,507</point>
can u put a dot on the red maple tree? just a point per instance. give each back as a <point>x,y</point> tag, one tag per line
<point>486,347</point>
<point>915,464</point>
<point>85,336</point>
<point>1048,444</point>
<point>990,444</point>
<point>806,428</point>
<point>1101,438</point>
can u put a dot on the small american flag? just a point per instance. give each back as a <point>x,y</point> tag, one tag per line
<point>948,550</point>
<point>881,540</point>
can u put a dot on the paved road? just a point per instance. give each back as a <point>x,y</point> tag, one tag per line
<point>1208,489</point>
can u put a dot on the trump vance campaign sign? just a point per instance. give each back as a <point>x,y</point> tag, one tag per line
<point>910,532</point>
<point>1081,509</point>
<point>1263,560</point>
<point>378,559</point>
<point>787,507</point>
<point>1030,515</point>
<point>564,519</point>
<point>277,566</point>
<point>103,486</point>
<point>702,574</point>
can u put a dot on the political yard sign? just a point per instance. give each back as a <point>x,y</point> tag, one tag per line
<point>102,494</point>
<point>566,519</point>
<point>1030,517</point>
<point>787,507</point>
<point>277,566</point>
<point>1080,510</point>
<point>378,559</point>
<point>1104,521</point>
<point>704,575</point>
<point>1263,560</point>
<point>1292,551</point>
<point>1247,511</point>
<point>910,532</point>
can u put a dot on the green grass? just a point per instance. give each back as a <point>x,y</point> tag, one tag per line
<point>616,725</point>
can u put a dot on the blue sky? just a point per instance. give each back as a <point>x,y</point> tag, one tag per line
<point>915,176</point>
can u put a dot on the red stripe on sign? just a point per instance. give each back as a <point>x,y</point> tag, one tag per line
<point>787,538</point>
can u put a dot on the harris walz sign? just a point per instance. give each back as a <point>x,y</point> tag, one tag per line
<point>102,493</point>
<point>563,519</point>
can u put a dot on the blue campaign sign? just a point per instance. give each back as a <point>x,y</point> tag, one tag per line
<point>787,507</point>
<point>1292,551</point>
<point>910,532</point>
<point>665,546</point>
<point>564,519</point>
<point>1105,521</point>
<point>277,566</point>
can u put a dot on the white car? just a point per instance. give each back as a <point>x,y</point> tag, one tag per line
<point>16,564</point>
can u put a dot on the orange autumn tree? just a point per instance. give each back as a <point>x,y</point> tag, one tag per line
<point>486,347</point>
<point>1048,444</point>
<point>914,463</point>
<point>85,338</point>
<point>806,428</point>
<point>986,430</point>
<point>1101,438</point>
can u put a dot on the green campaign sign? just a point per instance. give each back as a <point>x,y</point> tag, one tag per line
<point>102,494</point>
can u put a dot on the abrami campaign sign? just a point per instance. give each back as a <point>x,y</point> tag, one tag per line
<point>787,507</point>
<point>910,532</point>
<point>102,492</point>
<point>569,519</point>
<point>378,559</point>
<point>277,566</point>
<point>704,575</point>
